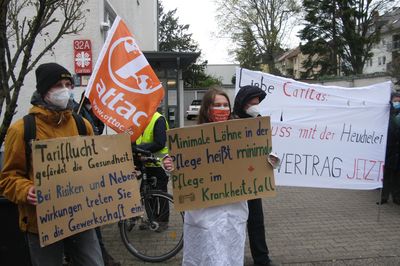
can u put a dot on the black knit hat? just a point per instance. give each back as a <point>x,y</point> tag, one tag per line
<point>49,74</point>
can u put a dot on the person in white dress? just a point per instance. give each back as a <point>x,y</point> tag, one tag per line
<point>214,235</point>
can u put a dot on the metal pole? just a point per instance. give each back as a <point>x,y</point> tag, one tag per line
<point>379,206</point>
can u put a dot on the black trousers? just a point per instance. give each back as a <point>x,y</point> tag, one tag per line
<point>256,231</point>
<point>389,183</point>
<point>159,208</point>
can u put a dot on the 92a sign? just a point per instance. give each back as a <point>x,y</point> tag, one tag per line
<point>83,56</point>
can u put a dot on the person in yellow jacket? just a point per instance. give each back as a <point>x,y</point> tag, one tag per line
<point>154,139</point>
<point>52,109</point>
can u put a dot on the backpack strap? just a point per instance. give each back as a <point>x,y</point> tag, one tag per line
<point>80,124</point>
<point>29,135</point>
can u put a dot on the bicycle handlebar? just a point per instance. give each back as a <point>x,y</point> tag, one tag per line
<point>144,156</point>
<point>138,151</point>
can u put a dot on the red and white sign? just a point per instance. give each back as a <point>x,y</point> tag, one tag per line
<point>83,56</point>
<point>124,90</point>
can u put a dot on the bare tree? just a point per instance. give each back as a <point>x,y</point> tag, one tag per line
<point>18,35</point>
<point>269,21</point>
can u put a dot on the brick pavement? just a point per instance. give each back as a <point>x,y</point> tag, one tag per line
<point>310,226</point>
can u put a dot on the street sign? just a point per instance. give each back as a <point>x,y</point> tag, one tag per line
<point>83,56</point>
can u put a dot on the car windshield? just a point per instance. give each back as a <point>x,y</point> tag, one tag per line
<point>196,102</point>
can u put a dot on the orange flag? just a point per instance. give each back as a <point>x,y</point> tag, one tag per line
<point>123,89</point>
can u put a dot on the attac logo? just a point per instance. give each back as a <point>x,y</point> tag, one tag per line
<point>136,71</point>
<point>124,90</point>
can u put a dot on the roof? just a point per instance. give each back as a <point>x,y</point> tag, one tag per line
<point>289,54</point>
<point>390,20</point>
<point>171,59</point>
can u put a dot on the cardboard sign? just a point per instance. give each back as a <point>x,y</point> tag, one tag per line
<point>124,90</point>
<point>82,183</point>
<point>220,163</point>
<point>325,136</point>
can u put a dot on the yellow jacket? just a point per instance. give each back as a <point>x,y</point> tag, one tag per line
<point>14,181</point>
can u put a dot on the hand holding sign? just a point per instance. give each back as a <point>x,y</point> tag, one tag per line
<point>220,163</point>
<point>31,197</point>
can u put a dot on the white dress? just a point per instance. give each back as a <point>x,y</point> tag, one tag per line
<point>215,235</point>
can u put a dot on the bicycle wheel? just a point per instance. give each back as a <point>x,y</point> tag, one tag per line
<point>158,234</point>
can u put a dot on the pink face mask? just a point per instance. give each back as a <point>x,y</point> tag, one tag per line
<point>219,114</point>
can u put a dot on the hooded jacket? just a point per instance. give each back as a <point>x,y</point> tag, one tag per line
<point>14,180</point>
<point>245,94</point>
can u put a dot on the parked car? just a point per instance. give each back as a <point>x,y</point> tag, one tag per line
<point>193,110</point>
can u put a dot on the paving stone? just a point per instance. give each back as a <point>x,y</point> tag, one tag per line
<point>311,226</point>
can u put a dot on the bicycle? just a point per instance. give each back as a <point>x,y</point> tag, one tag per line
<point>146,237</point>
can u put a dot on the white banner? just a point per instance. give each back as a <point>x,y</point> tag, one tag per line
<point>326,136</point>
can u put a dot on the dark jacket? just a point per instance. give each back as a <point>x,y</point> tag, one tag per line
<point>393,141</point>
<point>244,95</point>
<point>97,124</point>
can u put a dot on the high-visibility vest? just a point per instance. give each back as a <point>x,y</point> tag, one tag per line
<point>148,137</point>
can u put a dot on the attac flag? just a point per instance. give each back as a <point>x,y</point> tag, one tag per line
<point>123,89</point>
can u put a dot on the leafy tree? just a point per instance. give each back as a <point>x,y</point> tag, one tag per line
<point>246,52</point>
<point>342,32</point>
<point>321,35</point>
<point>22,22</point>
<point>259,24</point>
<point>175,37</point>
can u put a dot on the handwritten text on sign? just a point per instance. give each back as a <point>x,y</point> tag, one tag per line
<point>221,163</point>
<point>82,183</point>
<point>325,136</point>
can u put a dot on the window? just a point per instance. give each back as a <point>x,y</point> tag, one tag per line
<point>383,60</point>
<point>379,61</point>
<point>370,62</point>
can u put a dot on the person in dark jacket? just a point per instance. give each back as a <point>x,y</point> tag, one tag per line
<point>245,106</point>
<point>391,174</point>
<point>87,112</point>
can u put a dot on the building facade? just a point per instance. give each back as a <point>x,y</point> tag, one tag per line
<point>387,49</point>
<point>141,17</point>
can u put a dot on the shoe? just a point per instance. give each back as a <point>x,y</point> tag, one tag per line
<point>162,226</point>
<point>267,263</point>
<point>109,260</point>
<point>383,201</point>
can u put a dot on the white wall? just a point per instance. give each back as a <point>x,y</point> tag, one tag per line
<point>355,82</point>
<point>379,51</point>
<point>141,18</point>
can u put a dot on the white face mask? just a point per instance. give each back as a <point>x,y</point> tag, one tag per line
<point>253,110</point>
<point>58,97</point>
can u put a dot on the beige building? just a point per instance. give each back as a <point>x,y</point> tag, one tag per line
<point>290,64</point>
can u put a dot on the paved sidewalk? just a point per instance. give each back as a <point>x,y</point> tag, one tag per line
<point>309,226</point>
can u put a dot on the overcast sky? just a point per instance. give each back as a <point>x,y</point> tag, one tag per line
<point>200,15</point>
